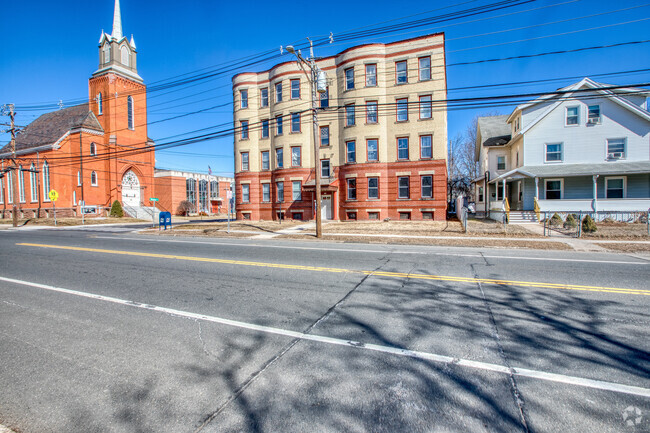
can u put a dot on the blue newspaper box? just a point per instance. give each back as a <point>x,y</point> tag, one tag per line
<point>164,220</point>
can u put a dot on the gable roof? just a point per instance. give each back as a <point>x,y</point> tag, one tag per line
<point>51,127</point>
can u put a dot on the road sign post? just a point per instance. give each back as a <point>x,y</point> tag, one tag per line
<point>153,214</point>
<point>54,196</point>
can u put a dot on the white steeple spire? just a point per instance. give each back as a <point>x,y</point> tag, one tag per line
<point>117,22</point>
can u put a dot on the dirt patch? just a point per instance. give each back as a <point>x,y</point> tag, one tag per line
<point>626,247</point>
<point>197,233</point>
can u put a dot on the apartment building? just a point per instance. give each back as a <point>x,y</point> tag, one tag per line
<point>382,132</point>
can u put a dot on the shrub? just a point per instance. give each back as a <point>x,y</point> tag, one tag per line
<point>571,221</point>
<point>116,210</point>
<point>588,225</point>
<point>185,207</point>
<point>556,220</point>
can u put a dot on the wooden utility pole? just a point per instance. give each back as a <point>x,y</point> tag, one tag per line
<point>15,176</point>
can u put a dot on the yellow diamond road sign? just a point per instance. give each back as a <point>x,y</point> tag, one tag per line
<point>54,196</point>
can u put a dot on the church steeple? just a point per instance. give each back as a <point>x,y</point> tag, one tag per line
<point>117,21</point>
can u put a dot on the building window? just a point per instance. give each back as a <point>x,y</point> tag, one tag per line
<point>243,98</point>
<point>427,215</point>
<point>424,64</point>
<point>203,196</point>
<point>10,188</point>
<point>351,152</point>
<point>373,154</point>
<point>352,189</point>
<point>278,92</point>
<point>129,102</point>
<point>426,150</point>
<point>244,161</point>
<point>403,187</point>
<point>615,148</point>
<point>553,189</point>
<point>279,191</point>
<point>2,191</point>
<point>480,194</point>
<point>244,129</point>
<point>279,157</point>
<point>615,187</point>
<point>593,116</point>
<point>296,192</point>
<point>572,116</point>
<point>373,215</point>
<point>295,157</point>
<point>46,181</point>
<point>403,148</point>
<point>107,52</point>
<point>373,187</point>
<point>349,79</point>
<point>401,72</point>
<point>100,105</point>
<point>295,89</point>
<point>553,152</point>
<point>371,75</point>
<point>125,55</point>
<point>265,128</point>
<point>324,135</point>
<point>278,125</point>
<point>245,193</point>
<point>325,98</point>
<point>501,162</point>
<point>351,215</point>
<point>349,115</point>
<point>214,189</point>
<point>427,186</point>
<point>425,107</point>
<point>32,180</point>
<point>325,168</point>
<point>265,160</point>
<point>295,122</point>
<point>93,178</point>
<point>405,215</point>
<point>264,97</point>
<point>371,112</point>
<point>93,149</point>
<point>21,184</point>
<point>402,110</point>
<point>78,178</point>
<point>266,192</point>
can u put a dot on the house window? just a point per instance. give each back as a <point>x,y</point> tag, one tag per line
<point>295,156</point>
<point>553,189</point>
<point>296,216</point>
<point>352,189</point>
<point>279,157</point>
<point>295,122</point>
<point>403,148</point>
<point>266,192</point>
<point>279,191</point>
<point>325,168</point>
<point>129,102</point>
<point>21,184</point>
<point>349,79</point>
<point>325,98</point>
<point>501,162</point>
<point>46,181</point>
<point>371,75</point>
<point>100,105</point>
<point>265,160</point>
<point>425,107</point>
<point>264,97</point>
<point>244,161</point>
<point>371,112</point>
<point>265,128</point>
<point>424,64</point>
<point>32,180</point>
<point>349,115</point>
<point>615,187</point>
<point>244,129</point>
<point>243,98</point>
<point>427,186</point>
<point>278,125</point>
<point>554,152</point>
<point>296,190</point>
<point>214,189</point>
<point>615,148</point>
<point>351,152</point>
<point>324,135</point>
<point>572,116</point>
<point>278,92</point>
<point>480,194</point>
<point>593,116</point>
<point>403,187</point>
<point>93,178</point>
<point>373,188</point>
<point>402,110</point>
<point>373,154</point>
<point>295,89</point>
<point>425,147</point>
<point>401,72</point>
<point>125,55</point>
<point>93,149</point>
<point>245,193</point>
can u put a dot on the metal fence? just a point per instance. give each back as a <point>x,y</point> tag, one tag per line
<point>574,225</point>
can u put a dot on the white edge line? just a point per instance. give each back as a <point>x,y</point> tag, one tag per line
<point>534,374</point>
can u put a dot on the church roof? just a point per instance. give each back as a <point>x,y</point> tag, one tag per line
<point>51,127</point>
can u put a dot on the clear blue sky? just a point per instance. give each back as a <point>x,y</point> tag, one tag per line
<point>50,51</point>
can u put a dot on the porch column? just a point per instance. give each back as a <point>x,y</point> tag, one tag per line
<point>595,202</point>
<point>537,188</point>
<point>504,190</point>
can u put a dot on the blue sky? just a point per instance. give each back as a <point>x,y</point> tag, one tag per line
<point>50,51</point>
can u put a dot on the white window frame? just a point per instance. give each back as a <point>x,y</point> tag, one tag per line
<point>46,181</point>
<point>264,100</point>
<point>2,191</point>
<point>292,90</point>
<point>623,178</point>
<point>402,139</point>
<point>546,181</point>
<point>566,116</point>
<point>294,117</point>
<point>596,120</point>
<point>245,161</point>
<point>430,147</point>
<point>245,193</point>
<point>93,174</point>
<point>368,140</point>
<point>546,160</point>
<point>401,74</point>
<point>279,157</point>
<point>33,179</point>
<point>298,153</point>
<point>278,92</point>
<point>325,168</point>
<point>279,191</point>
<point>347,151</point>
<point>373,191</point>
<point>505,163</point>
<point>402,108</point>
<point>100,104</point>
<point>351,189</point>
<point>408,187</point>
<point>420,68</point>
<point>279,125</point>
<point>607,152</point>
<point>349,78</point>
<point>372,75</point>
<point>372,112</point>
<point>266,193</point>
<point>10,187</point>
<point>265,128</point>
<point>243,100</point>
<point>296,193</point>
<point>244,129</point>
<point>130,107</point>
<point>422,186</point>
<point>426,107</point>
<point>21,184</point>
<point>78,178</point>
<point>125,56</point>
<point>265,164</point>
<point>93,149</point>
<point>350,115</point>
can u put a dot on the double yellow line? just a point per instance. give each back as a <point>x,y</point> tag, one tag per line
<point>492,281</point>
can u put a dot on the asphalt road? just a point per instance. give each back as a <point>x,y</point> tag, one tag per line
<point>117,332</point>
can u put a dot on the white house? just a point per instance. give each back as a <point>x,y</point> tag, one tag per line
<point>583,148</point>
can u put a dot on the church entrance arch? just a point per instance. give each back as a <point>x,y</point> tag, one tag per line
<point>130,189</point>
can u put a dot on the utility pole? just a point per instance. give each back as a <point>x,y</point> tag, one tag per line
<point>16,176</point>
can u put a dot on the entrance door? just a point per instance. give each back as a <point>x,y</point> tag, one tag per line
<point>130,189</point>
<point>326,207</point>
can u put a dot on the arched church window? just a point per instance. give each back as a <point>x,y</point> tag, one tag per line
<point>107,52</point>
<point>93,149</point>
<point>93,178</point>
<point>100,104</point>
<point>129,103</point>
<point>46,180</point>
<point>125,55</point>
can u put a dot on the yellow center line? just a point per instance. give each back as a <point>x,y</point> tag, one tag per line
<point>531,284</point>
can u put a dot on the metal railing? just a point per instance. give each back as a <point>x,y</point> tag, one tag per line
<point>600,216</point>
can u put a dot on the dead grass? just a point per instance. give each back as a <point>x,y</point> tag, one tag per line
<point>260,226</point>
<point>619,230</point>
<point>72,221</point>
<point>626,248</point>
<point>197,233</point>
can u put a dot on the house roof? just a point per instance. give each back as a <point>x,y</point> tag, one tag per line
<point>573,170</point>
<point>51,127</point>
<point>495,131</point>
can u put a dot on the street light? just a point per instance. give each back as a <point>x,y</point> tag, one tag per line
<point>318,81</point>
